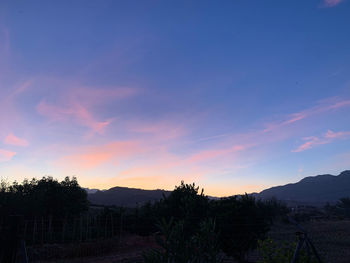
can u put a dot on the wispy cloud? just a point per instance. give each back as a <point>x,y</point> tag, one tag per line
<point>6,155</point>
<point>337,135</point>
<point>73,112</point>
<point>322,107</point>
<point>328,137</point>
<point>331,3</point>
<point>76,105</point>
<point>159,130</point>
<point>14,140</point>
<point>86,158</point>
<point>207,155</point>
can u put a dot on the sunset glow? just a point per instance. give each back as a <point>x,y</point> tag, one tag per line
<point>236,96</point>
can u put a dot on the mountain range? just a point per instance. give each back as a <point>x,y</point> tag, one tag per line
<point>124,196</point>
<point>313,190</point>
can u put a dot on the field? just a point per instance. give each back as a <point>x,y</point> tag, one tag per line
<point>331,239</point>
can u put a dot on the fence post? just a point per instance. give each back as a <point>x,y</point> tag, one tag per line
<point>112,224</point>
<point>106,222</point>
<point>87,226</point>
<point>50,228</point>
<point>25,229</point>
<point>42,231</point>
<point>74,227</point>
<point>81,228</point>
<point>99,225</point>
<point>64,228</point>
<point>121,225</point>
<point>34,230</point>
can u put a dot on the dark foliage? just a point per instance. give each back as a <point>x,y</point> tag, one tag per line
<point>193,228</point>
<point>240,221</point>
<point>201,247</point>
<point>340,210</point>
<point>43,197</point>
<point>185,203</point>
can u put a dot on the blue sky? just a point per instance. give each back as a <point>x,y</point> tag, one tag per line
<point>234,95</point>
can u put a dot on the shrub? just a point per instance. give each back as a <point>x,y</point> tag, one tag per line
<point>178,247</point>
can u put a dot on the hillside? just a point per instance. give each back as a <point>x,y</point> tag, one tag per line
<point>315,190</point>
<point>124,196</point>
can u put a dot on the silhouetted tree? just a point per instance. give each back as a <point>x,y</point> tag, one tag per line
<point>43,197</point>
<point>241,222</point>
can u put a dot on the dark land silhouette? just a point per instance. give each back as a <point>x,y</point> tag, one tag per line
<point>50,220</point>
<point>316,190</point>
<point>127,197</point>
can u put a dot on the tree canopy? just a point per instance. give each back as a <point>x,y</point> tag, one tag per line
<point>46,196</point>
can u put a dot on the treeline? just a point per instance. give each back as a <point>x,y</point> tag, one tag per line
<point>189,227</point>
<point>44,197</point>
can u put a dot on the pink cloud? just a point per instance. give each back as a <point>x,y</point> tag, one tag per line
<point>91,157</point>
<point>6,156</point>
<point>74,112</point>
<point>160,131</point>
<point>329,137</point>
<point>14,140</point>
<point>212,154</point>
<point>77,105</point>
<point>324,106</point>
<point>310,142</point>
<point>331,3</point>
<point>21,88</point>
<point>335,135</point>
<point>11,119</point>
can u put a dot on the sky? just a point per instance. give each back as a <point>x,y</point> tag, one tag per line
<point>234,95</point>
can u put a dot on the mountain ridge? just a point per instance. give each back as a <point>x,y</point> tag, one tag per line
<point>318,189</point>
<point>125,196</point>
<point>313,190</point>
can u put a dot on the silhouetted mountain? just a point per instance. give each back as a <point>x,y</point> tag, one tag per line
<point>124,196</point>
<point>316,190</point>
<point>91,191</point>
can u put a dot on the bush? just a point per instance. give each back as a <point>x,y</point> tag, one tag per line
<point>178,247</point>
<point>241,222</point>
